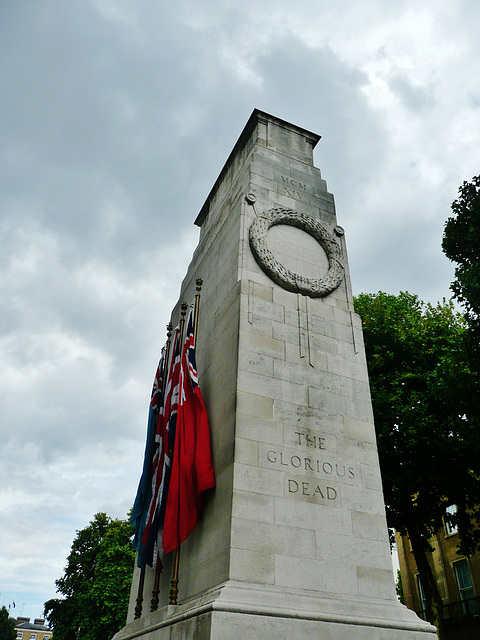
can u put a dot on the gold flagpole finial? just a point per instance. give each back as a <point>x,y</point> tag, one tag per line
<point>199,283</point>
<point>183,313</point>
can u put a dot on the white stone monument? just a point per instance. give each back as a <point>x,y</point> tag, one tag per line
<point>293,544</point>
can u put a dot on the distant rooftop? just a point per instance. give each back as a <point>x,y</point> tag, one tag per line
<point>38,624</point>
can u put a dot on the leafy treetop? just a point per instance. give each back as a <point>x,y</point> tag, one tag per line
<point>461,244</point>
<point>427,433</point>
<point>424,402</point>
<point>7,625</point>
<point>95,583</point>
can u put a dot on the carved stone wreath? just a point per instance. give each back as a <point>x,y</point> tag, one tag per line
<point>312,287</point>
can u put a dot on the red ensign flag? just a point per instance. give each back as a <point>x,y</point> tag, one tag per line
<point>192,469</point>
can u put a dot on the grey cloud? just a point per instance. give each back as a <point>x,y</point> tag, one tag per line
<point>117,118</point>
<point>414,97</point>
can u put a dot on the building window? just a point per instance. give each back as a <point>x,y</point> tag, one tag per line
<point>421,595</point>
<point>449,527</point>
<point>33,636</point>
<point>19,635</point>
<point>465,586</point>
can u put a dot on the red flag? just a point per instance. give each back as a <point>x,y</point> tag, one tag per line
<point>192,469</point>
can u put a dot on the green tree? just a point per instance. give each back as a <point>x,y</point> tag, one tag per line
<point>95,583</point>
<point>399,587</point>
<point>461,244</point>
<point>427,438</point>
<point>7,626</point>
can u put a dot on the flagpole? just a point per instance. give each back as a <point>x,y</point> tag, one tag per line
<point>141,582</point>
<point>176,559</point>
<point>156,588</point>
<point>139,604</point>
<point>158,567</point>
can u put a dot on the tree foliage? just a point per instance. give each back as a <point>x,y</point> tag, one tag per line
<point>461,244</point>
<point>399,587</point>
<point>95,583</point>
<point>7,625</point>
<point>427,431</point>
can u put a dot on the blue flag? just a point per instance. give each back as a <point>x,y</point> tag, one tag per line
<point>144,492</point>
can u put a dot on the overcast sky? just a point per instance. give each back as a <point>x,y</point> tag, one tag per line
<point>116,117</point>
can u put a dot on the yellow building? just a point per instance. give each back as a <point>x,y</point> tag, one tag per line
<point>35,630</point>
<point>458,583</point>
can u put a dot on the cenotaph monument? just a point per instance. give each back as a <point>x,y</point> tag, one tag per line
<point>293,543</point>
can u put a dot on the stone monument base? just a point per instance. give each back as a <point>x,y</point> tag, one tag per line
<point>237,611</point>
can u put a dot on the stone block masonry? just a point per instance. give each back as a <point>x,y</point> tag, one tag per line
<point>293,542</point>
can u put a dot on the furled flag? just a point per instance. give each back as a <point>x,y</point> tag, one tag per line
<point>144,492</point>
<point>192,470</point>
<point>165,438</point>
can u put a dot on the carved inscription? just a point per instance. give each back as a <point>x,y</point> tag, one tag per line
<point>291,193</point>
<point>312,470</point>
<point>313,490</point>
<point>305,463</point>
<point>310,440</point>
<point>294,188</point>
<point>294,183</point>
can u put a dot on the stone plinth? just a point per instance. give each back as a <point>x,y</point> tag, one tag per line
<point>293,542</point>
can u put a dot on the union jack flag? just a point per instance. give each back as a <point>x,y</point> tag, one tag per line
<point>162,460</point>
<point>192,469</point>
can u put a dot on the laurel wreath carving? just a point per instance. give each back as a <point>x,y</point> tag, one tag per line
<point>312,287</point>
